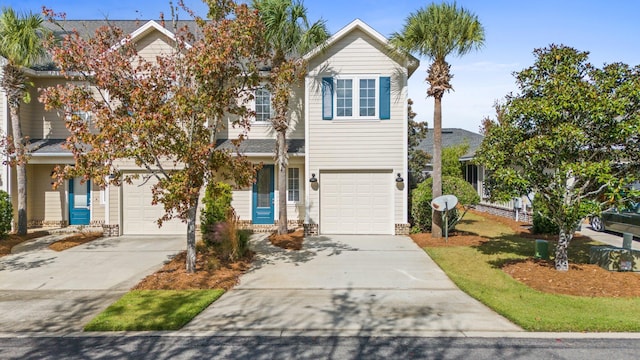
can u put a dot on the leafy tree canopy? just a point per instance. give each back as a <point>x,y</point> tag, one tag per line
<point>571,134</point>
<point>451,155</point>
<point>164,113</point>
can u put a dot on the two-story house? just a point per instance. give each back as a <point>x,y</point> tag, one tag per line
<point>347,147</point>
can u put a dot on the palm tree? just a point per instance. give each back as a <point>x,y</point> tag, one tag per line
<point>21,46</point>
<point>436,32</point>
<point>290,36</point>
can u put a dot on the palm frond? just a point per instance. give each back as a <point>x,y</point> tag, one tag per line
<point>21,36</point>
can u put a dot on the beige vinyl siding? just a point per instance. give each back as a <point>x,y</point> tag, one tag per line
<point>358,144</point>
<point>114,204</point>
<point>97,205</point>
<point>263,130</point>
<point>38,123</point>
<point>44,203</point>
<point>153,44</point>
<point>241,203</point>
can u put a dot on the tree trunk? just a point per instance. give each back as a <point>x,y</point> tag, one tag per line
<point>191,238</point>
<point>21,170</point>
<point>562,253</point>
<point>282,183</point>
<point>436,161</point>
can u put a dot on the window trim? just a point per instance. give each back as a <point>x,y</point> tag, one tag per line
<point>299,189</point>
<point>255,106</point>
<point>355,98</point>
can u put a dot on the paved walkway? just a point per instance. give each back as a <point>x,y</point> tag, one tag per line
<point>347,285</point>
<point>44,290</point>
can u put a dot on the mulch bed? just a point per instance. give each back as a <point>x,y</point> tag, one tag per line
<point>291,241</point>
<point>211,273</point>
<point>581,279</point>
<point>74,240</point>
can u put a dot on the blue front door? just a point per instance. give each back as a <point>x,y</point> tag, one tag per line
<point>79,202</point>
<point>263,207</point>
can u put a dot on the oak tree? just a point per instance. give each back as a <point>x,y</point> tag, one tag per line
<point>570,135</point>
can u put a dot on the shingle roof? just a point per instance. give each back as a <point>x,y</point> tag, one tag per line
<point>87,28</point>
<point>249,146</point>
<point>47,146</point>
<point>262,146</point>
<point>453,137</point>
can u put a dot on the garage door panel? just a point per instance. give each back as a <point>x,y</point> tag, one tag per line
<point>140,217</point>
<point>356,202</point>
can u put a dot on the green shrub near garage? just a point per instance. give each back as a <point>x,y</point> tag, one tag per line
<point>422,196</point>
<point>6,213</point>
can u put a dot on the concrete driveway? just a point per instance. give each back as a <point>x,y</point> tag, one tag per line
<point>44,290</point>
<point>347,285</point>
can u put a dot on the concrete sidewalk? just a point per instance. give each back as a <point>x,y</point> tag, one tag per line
<point>347,285</point>
<point>44,290</point>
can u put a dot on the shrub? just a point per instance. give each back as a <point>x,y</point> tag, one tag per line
<point>216,205</point>
<point>541,219</point>
<point>6,213</point>
<point>228,242</point>
<point>422,196</point>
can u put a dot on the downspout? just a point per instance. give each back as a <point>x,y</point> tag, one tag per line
<point>107,208</point>
<point>405,148</point>
<point>307,172</point>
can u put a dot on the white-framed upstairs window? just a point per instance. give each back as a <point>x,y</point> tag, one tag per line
<point>356,97</point>
<point>293,185</point>
<point>263,106</point>
<point>82,116</point>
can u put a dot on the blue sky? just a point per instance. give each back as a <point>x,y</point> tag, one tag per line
<point>609,30</point>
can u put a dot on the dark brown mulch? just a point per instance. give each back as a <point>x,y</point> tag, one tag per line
<point>291,241</point>
<point>581,279</point>
<point>211,273</point>
<point>11,240</point>
<point>74,240</point>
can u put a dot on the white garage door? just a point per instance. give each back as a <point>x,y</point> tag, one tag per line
<point>139,216</point>
<point>356,202</point>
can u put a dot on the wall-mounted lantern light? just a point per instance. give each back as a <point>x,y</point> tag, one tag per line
<point>313,178</point>
<point>399,178</point>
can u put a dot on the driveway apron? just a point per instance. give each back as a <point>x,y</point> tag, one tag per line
<point>44,290</point>
<point>347,285</point>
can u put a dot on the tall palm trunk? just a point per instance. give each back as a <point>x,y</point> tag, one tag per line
<point>436,216</point>
<point>282,181</point>
<point>21,172</point>
<point>13,83</point>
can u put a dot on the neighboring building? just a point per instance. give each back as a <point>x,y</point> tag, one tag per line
<point>347,147</point>
<point>455,137</point>
<point>519,209</point>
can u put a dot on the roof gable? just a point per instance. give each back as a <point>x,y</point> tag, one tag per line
<point>410,62</point>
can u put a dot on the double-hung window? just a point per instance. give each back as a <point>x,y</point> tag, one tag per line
<point>356,97</point>
<point>263,105</point>
<point>293,185</point>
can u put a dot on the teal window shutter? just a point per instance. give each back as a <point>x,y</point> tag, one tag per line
<point>327,98</point>
<point>385,98</point>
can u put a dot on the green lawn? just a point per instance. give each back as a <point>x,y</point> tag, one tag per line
<point>476,270</point>
<point>142,310</point>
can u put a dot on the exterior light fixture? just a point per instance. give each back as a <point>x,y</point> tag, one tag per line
<point>399,178</point>
<point>313,178</point>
